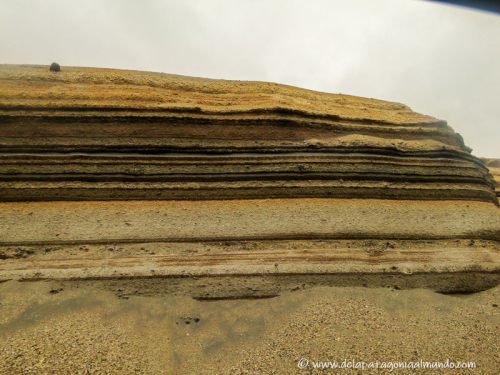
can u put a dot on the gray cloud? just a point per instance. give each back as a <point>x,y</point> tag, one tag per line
<point>440,60</point>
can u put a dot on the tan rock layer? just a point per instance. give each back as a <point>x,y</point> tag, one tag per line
<point>30,87</point>
<point>338,262</point>
<point>334,238</point>
<point>149,221</point>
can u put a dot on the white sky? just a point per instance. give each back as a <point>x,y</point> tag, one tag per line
<point>441,60</point>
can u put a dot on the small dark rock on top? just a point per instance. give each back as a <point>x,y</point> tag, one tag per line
<point>55,67</point>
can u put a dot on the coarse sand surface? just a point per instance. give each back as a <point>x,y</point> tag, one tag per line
<point>48,330</point>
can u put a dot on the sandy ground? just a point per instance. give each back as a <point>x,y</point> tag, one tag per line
<point>84,330</point>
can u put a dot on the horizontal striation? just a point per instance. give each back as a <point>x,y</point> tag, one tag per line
<point>75,88</point>
<point>107,177</point>
<point>126,178</point>
<point>215,134</point>
<point>103,110</point>
<point>103,134</point>
<point>147,260</point>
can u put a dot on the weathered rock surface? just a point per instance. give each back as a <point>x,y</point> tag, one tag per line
<point>99,134</point>
<point>257,181</point>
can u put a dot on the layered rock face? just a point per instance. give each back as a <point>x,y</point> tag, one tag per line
<point>87,134</point>
<point>250,179</point>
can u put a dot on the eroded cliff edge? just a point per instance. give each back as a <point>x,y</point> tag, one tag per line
<point>135,178</point>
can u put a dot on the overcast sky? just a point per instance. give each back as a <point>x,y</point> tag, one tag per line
<point>441,60</point>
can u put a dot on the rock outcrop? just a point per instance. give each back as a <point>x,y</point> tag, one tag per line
<point>131,178</point>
